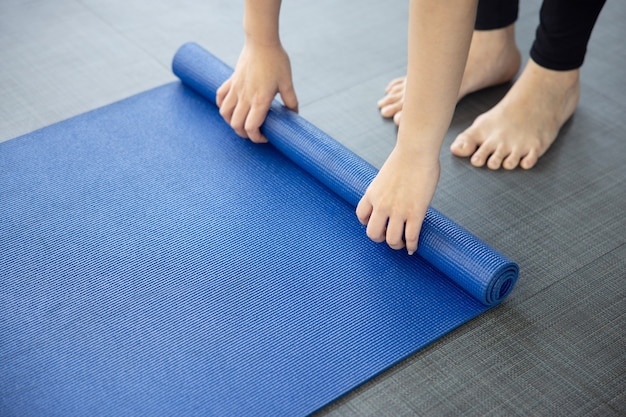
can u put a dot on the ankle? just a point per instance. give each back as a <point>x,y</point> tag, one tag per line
<point>503,36</point>
<point>493,59</point>
<point>564,80</point>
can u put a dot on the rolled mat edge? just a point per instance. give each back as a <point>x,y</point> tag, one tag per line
<point>479,269</point>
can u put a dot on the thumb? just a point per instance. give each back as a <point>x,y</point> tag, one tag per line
<point>288,95</point>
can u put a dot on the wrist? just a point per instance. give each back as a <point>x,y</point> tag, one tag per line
<point>260,22</point>
<point>262,40</point>
<point>420,145</point>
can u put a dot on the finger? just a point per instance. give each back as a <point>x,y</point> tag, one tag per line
<point>289,98</point>
<point>253,123</point>
<point>229,102</point>
<point>377,227</point>
<point>222,92</point>
<point>411,234</point>
<point>238,119</point>
<point>364,211</point>
<point>395,230</point>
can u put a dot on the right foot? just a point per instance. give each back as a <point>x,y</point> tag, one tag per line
<point>493,59</point>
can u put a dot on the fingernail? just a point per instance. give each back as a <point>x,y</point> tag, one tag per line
<point>411,252</point>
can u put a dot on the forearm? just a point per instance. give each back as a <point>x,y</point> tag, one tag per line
<point>440,32</point>
<point>260,22</point>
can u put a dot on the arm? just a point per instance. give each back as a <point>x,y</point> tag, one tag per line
<point>262,71</point>
<point>395,203</point>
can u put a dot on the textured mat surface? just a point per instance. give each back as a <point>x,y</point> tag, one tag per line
<point>152,263</point>
<point>557,347</point>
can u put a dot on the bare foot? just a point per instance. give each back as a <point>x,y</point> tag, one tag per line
<point>523,125</point>
<point>493,59</point>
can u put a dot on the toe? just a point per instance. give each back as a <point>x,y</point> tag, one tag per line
<point>495,160</point>
<point>391,110</point>
<point>394,83</point>
<point>389,99</point>
<point>530,159</point>
<point>512,161</point>
<point>463,145</point>
<point>479,158</point>
<point>397,117</point>
<point>397,89</point>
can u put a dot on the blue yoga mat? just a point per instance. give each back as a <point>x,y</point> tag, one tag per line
<point>152,263</point>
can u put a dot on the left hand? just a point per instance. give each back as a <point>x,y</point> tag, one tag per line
<point>395,203</point>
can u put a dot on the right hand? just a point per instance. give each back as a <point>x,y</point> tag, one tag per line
<point>245,98</point>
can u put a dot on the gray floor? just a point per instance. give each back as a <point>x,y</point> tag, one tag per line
<point>557,346</point>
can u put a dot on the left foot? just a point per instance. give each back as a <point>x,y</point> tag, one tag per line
<point>523,125</point>
<point>493,59</point>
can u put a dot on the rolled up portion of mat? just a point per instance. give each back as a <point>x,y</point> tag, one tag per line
<point>482,271</point>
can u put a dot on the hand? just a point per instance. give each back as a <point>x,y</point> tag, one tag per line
<point>245,98</point>
<point>395,203</point>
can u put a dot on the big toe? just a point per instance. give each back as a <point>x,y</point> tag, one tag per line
<point>397,117</point>
<point>464,145</point>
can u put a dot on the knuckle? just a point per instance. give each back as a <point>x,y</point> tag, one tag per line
<point>260,100</point>
<point>237,128</point>
<point>254,134</point>
<point>394,242</point>
<point>252,126</point>
<point>376,236</point>
<point>236,125</point>
<point>411,240</point>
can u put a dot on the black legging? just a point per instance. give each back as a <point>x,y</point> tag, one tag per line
<point>563,32</point>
